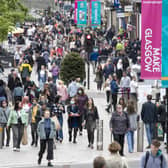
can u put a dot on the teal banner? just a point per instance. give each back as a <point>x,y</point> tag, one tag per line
<point>81,13</point>
<point>164,44</point>
<point>95,13</point>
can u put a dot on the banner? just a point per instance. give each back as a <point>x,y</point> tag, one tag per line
<point>81,13</point>
<point>75,15</point>
<point>95,13</point>
<point>164,43</point>
<point>151,39</point>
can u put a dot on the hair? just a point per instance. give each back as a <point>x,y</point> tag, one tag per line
<point>156,143</point>
<point>114,147</point>
<point>19,84</point>
<point>130,107</point>
<point>99,162</point>
<point>149,97</point>
<point>81,90</point>
<point>2,102</point>
<point>93,105</point>
<point>17,105</point>
<point>25,100</point>
<point>124,104</point>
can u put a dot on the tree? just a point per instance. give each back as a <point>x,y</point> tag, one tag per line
<point>11,12</point>
<point>72,66</point>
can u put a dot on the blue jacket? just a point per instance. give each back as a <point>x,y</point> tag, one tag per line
<point>114,87</point>
<point>108,70</point>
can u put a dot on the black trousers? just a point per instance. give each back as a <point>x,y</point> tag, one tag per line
<point>114,100</point>
<point>120,140</point>
<point>108,96</point>
<point>34,133</point>
<point>90,136</point>
<point>74,130</point>
<point>49,144</point>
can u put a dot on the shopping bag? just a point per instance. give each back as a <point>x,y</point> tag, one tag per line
<point>24,138</point>
<point>57,124</point>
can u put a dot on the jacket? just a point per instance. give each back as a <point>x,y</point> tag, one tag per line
<point>4,115</point>
<point>18,91</point>
<point>62,91</point>
<point>133,121</point>
<point>154,161</point>
<point>72,89</point>
<point>149,113</point>
<point>119,124</point>
<point>41,130</point>
<point>114,87</point>
<point>25,70</point>
<point>13,118</point>
<point>116,161</point>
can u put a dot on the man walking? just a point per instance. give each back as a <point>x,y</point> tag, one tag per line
<point>149,117</point>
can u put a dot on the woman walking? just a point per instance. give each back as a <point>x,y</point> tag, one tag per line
<point>57,110</point>
<point>73,119</point>
<point>91,116</point>
<point>82,99</point>
<point>132,115</point>
<point>18,119</point>
<point>99,77</point>
<point>47,132</point>
<point>115,160</point>
<point>4,115</point>
<point>119,125</point>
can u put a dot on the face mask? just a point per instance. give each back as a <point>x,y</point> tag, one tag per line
<point>72,102</point>
<point>79,91</point>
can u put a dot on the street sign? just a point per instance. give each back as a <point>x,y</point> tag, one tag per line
<point>128,8</point>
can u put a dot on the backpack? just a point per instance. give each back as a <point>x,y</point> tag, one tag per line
<point>147,158</point>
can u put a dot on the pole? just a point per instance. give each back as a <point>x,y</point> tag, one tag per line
<point>167,119</point>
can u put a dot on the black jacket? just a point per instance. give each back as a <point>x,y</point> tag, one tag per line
<point>161,113</point>
<point>149,113</point>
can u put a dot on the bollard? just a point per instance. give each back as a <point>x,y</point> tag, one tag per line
<point>1,136</point>
<point>140,136</point>
<point>100,135</point>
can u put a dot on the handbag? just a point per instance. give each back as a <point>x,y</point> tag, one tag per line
<point>24,138</point>
<point>57,124</point>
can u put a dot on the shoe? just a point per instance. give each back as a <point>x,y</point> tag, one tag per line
<point>89,146</point>
<point>18,149</point>
<point>74,141</point>
<point>14,149</point>
<point>7,145</point>
<point>80,133</point>
<point>39,160</point>
<point>32,143</point>
<point>49,164</point>
<point>107,110</point>
<point>70,139</point>
<point>148,147</point>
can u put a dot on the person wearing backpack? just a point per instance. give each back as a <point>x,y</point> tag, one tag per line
<point>154,158</point>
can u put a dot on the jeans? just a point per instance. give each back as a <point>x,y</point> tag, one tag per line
<point>55,78</point>
<point>130,140</point>
<point>150,132</point>
<point>60,132</point>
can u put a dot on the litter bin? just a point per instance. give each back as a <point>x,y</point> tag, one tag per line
<point>140,136</point>
<point>100,135</point>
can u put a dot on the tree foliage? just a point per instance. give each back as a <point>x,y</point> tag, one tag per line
<point>11,12</point>
<point>72,66</point>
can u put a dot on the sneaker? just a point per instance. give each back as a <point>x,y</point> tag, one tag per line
<point>14,149</point>
<point>74,142</point>
<point>18,149</point>
<point>148,147</point>
<point>91,146</point>
<point>50,164</point>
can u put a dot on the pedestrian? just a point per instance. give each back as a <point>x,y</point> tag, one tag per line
<point>35,117</point>
<point>119,125</point>
<point>62,91</point>
<point>72,88</point>
<point>115,160</point>
<point>42,77</point>
<point>99,77</point>
<point>58,109</point>
<point>55,72</point>
<point>18,92</point>
<point>99,162</point>
<point>108,69</point>
<point>154,158</point>
<point>47,131</point>
<point>81,99</point>
<point>132,115</point>
<point>108,89</point>
<point>18,119</point>
<point>3,94</point>
<point>4,115</point>
<point>73,119</point>
<point>122,103</point>
<point>25,70</point>
<point>149,117</point>
<point>90,118</point>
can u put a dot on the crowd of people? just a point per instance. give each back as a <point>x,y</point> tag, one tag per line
<point>41,105</point>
